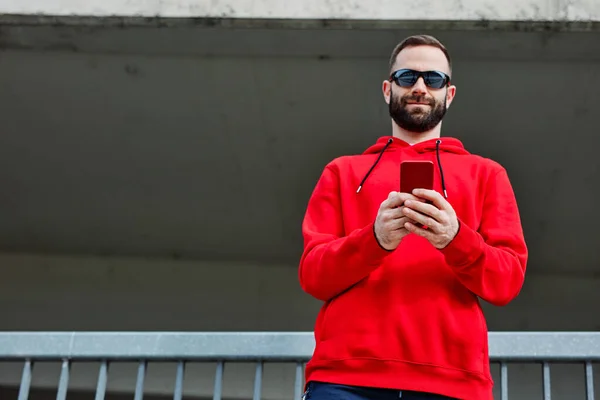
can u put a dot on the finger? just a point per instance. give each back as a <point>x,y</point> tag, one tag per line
<point>410,196</point>
<point>426,209</point>
<point>395,224</point>
<point>394,213</point>
<point>398,224</point>
<point>433,196</point>
<point>390,201</point>
<point>412,228</point>
<point>390,214</point>
<point>391,224</point>
<point>397,199</point>
<point>422,219</point>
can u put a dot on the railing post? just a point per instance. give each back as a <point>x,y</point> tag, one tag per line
<point>25,380</point>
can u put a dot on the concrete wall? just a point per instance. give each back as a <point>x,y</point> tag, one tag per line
<point>81,293</point>
<point>137,154</point>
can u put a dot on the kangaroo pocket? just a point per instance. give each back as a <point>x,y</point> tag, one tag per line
<point>428,319</point>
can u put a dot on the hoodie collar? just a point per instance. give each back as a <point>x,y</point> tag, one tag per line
<point>447,144</point>
<point>438,145</point>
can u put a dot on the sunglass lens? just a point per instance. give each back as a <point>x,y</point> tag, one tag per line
<point>406,78</point>
<point>435,80</point>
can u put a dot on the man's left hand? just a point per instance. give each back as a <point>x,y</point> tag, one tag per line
<point>439,217</point>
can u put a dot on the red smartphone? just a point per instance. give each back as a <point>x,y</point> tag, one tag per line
<point>416,175</point>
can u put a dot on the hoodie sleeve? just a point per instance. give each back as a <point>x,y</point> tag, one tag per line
<point>491,262</point>
<point>333,262</point>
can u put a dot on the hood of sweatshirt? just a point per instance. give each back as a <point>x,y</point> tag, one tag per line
<point>438,145</point>
<point>447,144</point>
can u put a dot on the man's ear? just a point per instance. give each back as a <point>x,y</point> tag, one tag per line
<point>450,93</point>
<point>386,89</point>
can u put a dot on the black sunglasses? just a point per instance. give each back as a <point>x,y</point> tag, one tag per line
<point>408,77</point>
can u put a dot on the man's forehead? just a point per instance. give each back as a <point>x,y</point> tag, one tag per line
<point>422,58</point>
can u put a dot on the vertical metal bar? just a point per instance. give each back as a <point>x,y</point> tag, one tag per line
<point>63,383</point>
<point>139,383</point>
<point>177,395</point>
<point>258,381</point>
<point>219,381</point>
<point>298,384</point>
<point>102,379</point>
<point>589,380</point>
<point>503,381</point>
<point>25,380</point>
<point>546,375</point>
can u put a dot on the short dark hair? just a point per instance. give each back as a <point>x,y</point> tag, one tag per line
<point>419,40</point>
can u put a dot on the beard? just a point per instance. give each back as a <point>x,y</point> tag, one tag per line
<point>419,119</point>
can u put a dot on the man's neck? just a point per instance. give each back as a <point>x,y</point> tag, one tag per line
<point>414,137</point>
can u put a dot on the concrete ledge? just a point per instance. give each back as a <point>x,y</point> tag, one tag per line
<point>385,10</point>
<point>93,22</point>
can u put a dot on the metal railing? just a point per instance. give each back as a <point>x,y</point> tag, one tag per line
<point>542,348</point>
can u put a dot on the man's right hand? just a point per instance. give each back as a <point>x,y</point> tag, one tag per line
<point>389,224</point>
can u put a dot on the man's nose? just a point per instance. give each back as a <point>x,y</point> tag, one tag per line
<point>419,86</point>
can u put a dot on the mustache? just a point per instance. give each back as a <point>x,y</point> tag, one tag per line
<point>418,99</point>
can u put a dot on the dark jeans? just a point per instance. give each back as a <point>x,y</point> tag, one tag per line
<point>328,391</point>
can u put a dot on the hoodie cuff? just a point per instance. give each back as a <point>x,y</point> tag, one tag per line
<point>374,253</point>
<point>465,248</point>
<point>377,241</point>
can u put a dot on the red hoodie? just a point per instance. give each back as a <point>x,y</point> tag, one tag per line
<point>409,319</point>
